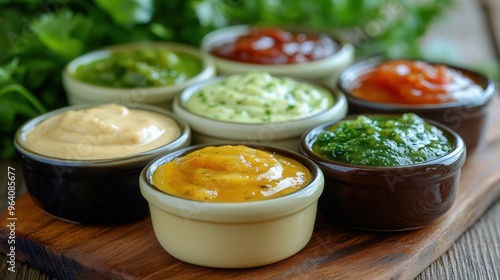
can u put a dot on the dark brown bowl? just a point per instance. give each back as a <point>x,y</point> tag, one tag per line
<point>102,191</point>
<point>467,118</point>
<point>387,198</point>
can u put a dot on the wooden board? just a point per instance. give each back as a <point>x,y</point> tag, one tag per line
<point>71,251</point>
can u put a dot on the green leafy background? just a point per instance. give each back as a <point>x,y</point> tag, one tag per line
<point>37,38</point>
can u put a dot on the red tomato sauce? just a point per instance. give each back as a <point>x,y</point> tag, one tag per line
<point>271,45</point>
<point>415,82</point>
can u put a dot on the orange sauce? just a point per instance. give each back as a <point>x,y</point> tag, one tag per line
<point>415,82</point>
<point>231,174</point>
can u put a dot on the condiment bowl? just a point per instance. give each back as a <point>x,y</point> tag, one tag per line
<point>325,70</point>
<point>233,234</point>
<point>387,198</point>
<point>90,191</point>
<point>79,92</point>
<point>285,134</point>
<point>467,117</point>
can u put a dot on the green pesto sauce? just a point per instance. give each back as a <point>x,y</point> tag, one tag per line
<point>382,141</point>
<point>141,68</point>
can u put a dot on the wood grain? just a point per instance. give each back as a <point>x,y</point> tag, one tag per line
<point>70,251</point>
<point>475,255</point>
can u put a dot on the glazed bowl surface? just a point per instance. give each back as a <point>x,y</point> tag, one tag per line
<point>468,117</point>
<point>387,198</point>
<point>233,234</point>
<point>79,92</point>
<point>90,191</point>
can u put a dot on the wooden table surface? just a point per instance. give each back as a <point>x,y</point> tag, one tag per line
<point>473,29</point>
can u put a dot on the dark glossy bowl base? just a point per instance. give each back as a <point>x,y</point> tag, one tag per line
<point>73,195</point>
<point>390,209</point>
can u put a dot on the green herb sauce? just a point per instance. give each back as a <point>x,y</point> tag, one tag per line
<point>141,68</point>
<point>382,141</point>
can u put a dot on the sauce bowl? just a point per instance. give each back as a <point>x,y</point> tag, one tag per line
<point>233,234</point>
<point>284,134</point>
<point>387,198</point>
<point>79,92</point>
<point>325,70</point>
<point>467,117</point>
<point>99,191</point>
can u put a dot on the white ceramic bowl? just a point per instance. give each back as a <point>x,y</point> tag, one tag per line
<point>326,70</point>
<point>79,92</point>
<point>233,234</point>
<point>282,134</point>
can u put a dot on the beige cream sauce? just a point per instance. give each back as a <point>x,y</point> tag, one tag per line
<point>101,132</point>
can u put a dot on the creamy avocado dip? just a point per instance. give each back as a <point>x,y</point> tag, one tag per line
<point>382,141</point>
<point>259,97</point>
<point>140,68</point>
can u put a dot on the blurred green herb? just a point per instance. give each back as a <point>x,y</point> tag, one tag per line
<point>37,38</point>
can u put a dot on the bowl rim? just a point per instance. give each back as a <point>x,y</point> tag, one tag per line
<point>271,131</point>
<point>349,74</point>
<point>207,69</point>
<point>213,37</point>
<point>180,99</point>
<point>457,154</point>
<point>215,210</point>
<point>142,157</point>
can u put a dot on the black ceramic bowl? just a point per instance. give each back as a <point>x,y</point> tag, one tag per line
<point>104,191</point>
<point>467,118</point>
<point>387,198</point>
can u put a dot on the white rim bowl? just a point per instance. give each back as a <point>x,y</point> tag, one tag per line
<point>251,132</point>
<point>79,92</point>
<point>233,234</point>
<point>326,69</point>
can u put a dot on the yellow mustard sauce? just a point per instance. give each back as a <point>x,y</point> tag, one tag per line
<point>101,132</point>
<point>231,174</point>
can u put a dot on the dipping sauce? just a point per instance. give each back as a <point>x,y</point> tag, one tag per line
<point>140,68</point>
<point>415,82</point>
<point>382,141</point>
<point>101,132</point>
<point>231,174</point>
<point>259,97</point>
<point>271,45</point>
